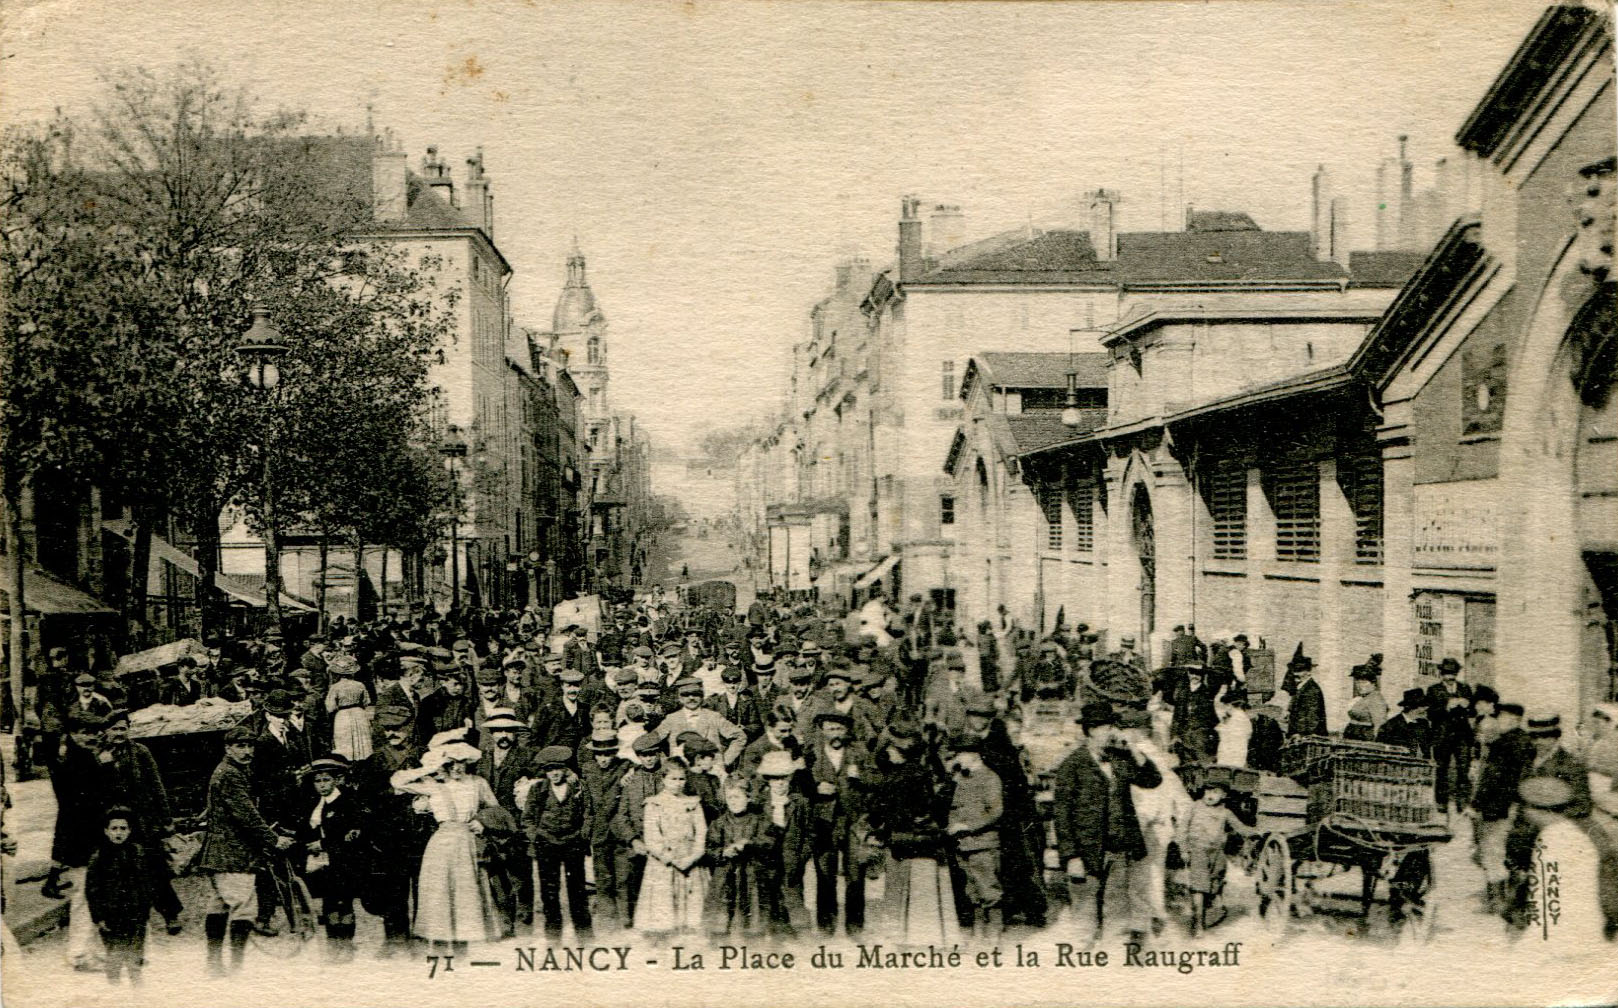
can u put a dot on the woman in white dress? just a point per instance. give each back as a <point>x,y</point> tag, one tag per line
<point>453,905</point>
<point>675,834</point>
<point>349,704</point>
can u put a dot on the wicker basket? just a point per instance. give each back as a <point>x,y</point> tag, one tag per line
<point>1382,788</point>
<point>1303,757</point>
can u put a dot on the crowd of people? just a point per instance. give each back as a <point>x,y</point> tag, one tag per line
<point>679,770</point>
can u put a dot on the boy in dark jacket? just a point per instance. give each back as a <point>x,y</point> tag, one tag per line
<point>333,838</point>
<point>557,819</point>
<point>737,842</point>
<point>120,890</point>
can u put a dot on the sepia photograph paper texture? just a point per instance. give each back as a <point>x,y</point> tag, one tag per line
<point>809,503</point>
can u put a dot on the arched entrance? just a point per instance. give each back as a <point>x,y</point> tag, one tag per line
<point>1145,540</point>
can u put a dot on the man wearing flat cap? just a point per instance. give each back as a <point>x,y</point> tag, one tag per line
<point>736,703</point>
<point>1098,836</point>
<point>692,716</point>
<point>602,775</point>
<point>235,848</point>
<point>557,819</point>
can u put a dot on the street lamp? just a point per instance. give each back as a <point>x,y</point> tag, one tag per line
<point>259,353</point>
<point>454,448</point>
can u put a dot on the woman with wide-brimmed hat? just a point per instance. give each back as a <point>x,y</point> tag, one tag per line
<point>453,902</point>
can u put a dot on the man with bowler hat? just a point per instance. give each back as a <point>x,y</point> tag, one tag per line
<point>1449,715</point>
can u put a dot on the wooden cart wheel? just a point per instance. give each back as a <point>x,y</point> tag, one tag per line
<point>1274,880</point>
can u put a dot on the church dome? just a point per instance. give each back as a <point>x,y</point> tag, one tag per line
<point>576,308</point>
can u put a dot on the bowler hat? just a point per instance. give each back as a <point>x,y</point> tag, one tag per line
<point>1449,666</point>
<point>730,674</point>
<point>278,702</point>
<point>1549,726</point>
<point>825,717</point>
<point>1097,713</point>
<point>1413,697</point>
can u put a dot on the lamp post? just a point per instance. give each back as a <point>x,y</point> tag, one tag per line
<point>454,448</point>
<point>259,353</point>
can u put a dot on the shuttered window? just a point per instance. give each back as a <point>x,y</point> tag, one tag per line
<point>1081,499</point>
<point>1227,501</point>
<point>1050,504</point>
<point>1294,492</point>
<point>1361,479</point>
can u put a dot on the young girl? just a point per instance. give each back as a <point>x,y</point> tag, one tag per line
<point>672,888</point>
<point>1202,834</point>
<point>347,701</point>
<point>119,889</point>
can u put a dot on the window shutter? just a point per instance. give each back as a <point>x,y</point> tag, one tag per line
<point>1295,498</point>
<point>1227,501</point>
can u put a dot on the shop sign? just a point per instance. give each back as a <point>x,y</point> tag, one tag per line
<point>1457,525</point>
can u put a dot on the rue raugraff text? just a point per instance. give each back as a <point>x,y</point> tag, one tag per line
<point>744,958</point>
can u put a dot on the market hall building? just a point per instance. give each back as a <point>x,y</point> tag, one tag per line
<point>1439,479</point>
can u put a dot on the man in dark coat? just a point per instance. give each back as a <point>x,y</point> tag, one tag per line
<point>79,785</point>
<point>840,770</point>
<point>1449,715</point>
<point>1022,831</point>
<point>1307,714</point>
<point>737,704</point>
<point>1098,836</point>
<point>1193,728</point>
<point>505,762</point>
<point>132,778</point>
<point>1409,727</point>
<point>1183,647</point>
<point>565,720</point>
<point>1505,763</point>
<point>280,751</point>
<point>396,835</point>
<point>447,708</point>
<point>235,849</point>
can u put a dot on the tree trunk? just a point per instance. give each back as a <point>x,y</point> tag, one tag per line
<point>205,528</point>
<point>140,574</point>
<point>359,575</point>
<point>320,577</point>
<point>18,613</point>
<point>382,587</point>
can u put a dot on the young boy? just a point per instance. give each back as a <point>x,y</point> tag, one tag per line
<point>737,842</point>
<point>974,825</point>
<point>119,889</point>
<point>786,821</point>
<point>332,840</point>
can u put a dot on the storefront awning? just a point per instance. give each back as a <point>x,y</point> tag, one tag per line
<point>47,596</point>
<point>877,572</point>
<point>185,562</point>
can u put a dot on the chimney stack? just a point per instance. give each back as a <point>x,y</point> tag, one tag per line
<point>436,172</point>
<point>1323,225</point>
<point>912,262</point>
<point>479,198</point>
<point>1393,201</point>
<point>388,200</point>
<point>844,273</point>
<point>1103,223</point>
<point>946,227</point>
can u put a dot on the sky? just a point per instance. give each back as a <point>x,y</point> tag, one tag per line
<point>716,159</point>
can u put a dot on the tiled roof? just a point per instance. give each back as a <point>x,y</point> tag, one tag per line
<point>1044,370</point>
<point>1220,220</point>
<point>1046,257</point>
<point>1022,433</point>
<point>426,209</point>
<point>1147,257</point>
<point>1382,269</point>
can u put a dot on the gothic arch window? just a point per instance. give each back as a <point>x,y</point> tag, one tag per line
<point>593,350</point>
<point>983,488</point>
